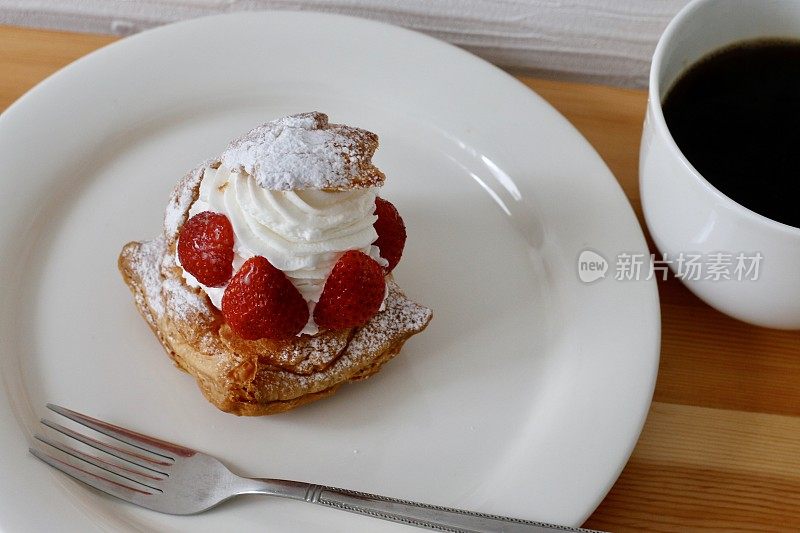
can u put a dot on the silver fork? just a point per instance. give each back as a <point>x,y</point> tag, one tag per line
<point>173,479</point>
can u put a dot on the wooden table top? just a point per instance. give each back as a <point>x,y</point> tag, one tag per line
<point>721,446</point>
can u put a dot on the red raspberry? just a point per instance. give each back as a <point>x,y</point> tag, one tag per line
<point>260,302</point>
<point>205,248</point>
<point>391,232</point>
<point>353,292</point>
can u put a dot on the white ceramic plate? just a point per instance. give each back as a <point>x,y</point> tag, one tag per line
<point>524,397</point>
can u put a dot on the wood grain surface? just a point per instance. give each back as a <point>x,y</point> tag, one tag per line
<point>721,446</point>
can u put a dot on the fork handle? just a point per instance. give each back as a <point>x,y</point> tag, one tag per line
<point>408,512</point>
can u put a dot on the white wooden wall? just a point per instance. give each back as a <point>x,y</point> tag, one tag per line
<point>604,41</point>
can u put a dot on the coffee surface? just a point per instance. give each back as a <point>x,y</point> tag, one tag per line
<point>735,115</point>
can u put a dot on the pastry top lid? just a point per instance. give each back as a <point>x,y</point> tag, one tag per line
<point>304,151</point>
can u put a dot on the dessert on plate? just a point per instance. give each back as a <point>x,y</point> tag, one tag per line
<point>271,282</point>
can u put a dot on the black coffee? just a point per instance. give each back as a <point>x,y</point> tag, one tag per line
<point>735,115</point>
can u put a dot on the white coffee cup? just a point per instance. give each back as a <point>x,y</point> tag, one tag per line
<point>686,215</point>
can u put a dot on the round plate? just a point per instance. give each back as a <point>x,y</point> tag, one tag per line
<point>524,397</point>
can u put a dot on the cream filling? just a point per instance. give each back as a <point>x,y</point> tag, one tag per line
<point>301,232</point>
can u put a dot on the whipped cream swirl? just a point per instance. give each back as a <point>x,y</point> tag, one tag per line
<point>301,232</point>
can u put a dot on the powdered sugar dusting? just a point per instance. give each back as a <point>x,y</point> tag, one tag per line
<point>401,319</point>
<point>302,355</point>
<point>182,303</point>
<point>304,151</point>
<point>144,261</point>
<point>400,314</point>
<point>317,354</point>
<point>181,200</point>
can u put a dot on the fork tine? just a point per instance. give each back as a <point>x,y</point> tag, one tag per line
<point>142,478</point>
<point>126,455</point>
<point>72,467</point>
<point>138,440</point>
